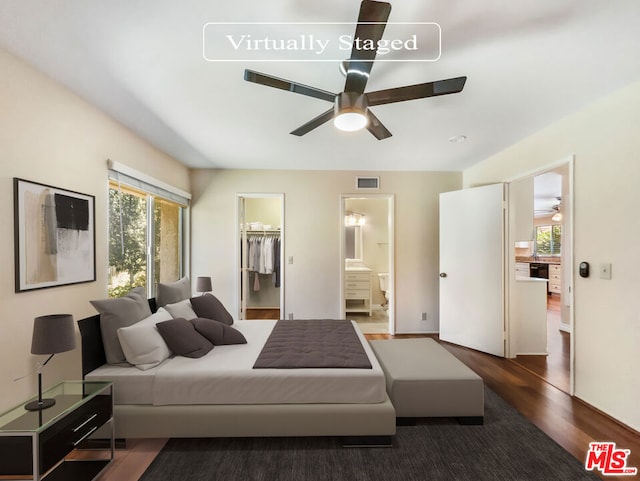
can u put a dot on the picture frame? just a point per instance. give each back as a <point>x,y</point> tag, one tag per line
<point>54,236</point>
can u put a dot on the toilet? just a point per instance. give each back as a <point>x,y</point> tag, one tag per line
<point>383,279</point>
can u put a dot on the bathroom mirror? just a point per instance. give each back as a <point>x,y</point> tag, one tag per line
<point>353,243</point>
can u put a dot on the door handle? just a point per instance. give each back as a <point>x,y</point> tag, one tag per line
<point>443,274</point>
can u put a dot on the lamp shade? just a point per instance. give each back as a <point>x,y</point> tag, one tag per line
<point>53,334</point>
<point>203,284</point>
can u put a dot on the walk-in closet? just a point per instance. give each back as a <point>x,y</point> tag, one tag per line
<point>261,266</point>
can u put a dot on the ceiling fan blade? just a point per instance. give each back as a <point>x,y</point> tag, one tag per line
<point>313,123</point>
<point>418,91</point>
<point>379,131</point>
<point>367,36</point>
<point>271,81</point>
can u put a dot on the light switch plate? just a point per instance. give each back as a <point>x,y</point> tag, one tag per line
<point>605,271</point>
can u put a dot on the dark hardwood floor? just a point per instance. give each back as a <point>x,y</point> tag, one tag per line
<point>570,422</point>
<point>262,313</point>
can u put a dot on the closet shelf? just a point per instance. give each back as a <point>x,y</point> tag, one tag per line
<point>263,232</point>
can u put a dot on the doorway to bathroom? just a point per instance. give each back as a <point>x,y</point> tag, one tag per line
<point>366,247</point>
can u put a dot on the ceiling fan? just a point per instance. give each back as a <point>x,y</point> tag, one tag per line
<point>555,210</point>
<point>351,110</point>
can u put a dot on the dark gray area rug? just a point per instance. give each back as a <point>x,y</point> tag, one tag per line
<point>507,447</point>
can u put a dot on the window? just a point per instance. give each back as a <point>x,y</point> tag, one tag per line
<point>145,235</point>
<point>548,239</point>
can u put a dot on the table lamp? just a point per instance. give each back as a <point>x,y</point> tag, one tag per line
<point>203,284</point>
<point>51,334</point>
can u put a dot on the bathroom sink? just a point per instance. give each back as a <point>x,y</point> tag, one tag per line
<point>358,268</point>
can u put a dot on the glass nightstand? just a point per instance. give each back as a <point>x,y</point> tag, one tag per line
<point>36,444</point>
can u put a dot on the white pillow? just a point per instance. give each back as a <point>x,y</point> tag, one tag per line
<point>181,309</point>
<point>142,344</point>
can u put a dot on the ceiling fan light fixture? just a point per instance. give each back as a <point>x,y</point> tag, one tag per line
<point>350,112</point>
<point>351,107</point>
<point>350,121</point>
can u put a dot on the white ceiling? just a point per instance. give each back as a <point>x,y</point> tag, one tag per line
<point>547,192</point>
<point>528,63</point>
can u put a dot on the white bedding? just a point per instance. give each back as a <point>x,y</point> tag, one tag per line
<point>225,376</point>
<point>130,384</point>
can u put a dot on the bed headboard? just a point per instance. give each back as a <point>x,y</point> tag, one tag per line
<point>92,347</point>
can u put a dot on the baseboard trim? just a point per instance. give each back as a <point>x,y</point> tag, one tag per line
<point>418,332</point>
<point>608,416</point>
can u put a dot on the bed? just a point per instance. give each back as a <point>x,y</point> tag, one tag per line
<point>221,395</point>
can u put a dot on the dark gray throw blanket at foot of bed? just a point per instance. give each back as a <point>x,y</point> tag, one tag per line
<point>321,343</point>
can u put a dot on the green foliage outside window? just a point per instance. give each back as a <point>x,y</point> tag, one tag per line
<point>127,242</point>
<point>548,239</point>
<point>133,234</point>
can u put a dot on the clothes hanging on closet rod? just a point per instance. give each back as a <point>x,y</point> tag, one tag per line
<point>276,262</point>
<point>263,256</point>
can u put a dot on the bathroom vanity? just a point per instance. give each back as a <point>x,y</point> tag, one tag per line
<point>357,289</point>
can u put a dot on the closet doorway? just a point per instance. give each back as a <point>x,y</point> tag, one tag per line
<point>367,261</point>
<point>260,267</point>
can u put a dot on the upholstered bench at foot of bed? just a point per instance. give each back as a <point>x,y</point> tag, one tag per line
<point>426,380</point>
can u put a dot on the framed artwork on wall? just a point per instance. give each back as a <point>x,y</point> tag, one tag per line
<point>54,232</point>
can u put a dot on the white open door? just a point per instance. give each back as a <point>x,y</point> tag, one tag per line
<point>472,241</point>
<point>244,263</point>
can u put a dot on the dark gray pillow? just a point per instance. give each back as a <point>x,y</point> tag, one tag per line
<point>120,312</point>
<point>210,307</point>
<point>172,292</point>
<point>183,339</point>
<point>218,333</point>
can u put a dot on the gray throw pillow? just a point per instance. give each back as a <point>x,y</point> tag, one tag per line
<point>172,292</point>
<point>183,339</point>
<point>142,344</point>
<point>218,333</point>
<point>181,309</point>
<point>210,307</point>
<point>116,313</point>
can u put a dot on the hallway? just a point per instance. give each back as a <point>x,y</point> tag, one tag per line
<point>555,367</point>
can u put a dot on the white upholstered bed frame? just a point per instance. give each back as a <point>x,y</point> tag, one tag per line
<point>246,420</point>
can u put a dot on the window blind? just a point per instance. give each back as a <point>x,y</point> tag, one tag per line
<point>122,174</point>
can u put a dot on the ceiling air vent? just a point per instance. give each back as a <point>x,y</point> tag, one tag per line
<point>368,183</point>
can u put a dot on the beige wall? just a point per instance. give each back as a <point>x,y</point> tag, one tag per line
<point>265,210</point>
<point>312,236</point>
<point>604,139</point>
<point>51,136</point>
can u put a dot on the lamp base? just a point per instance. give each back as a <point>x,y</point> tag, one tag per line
<point>39,405</point>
